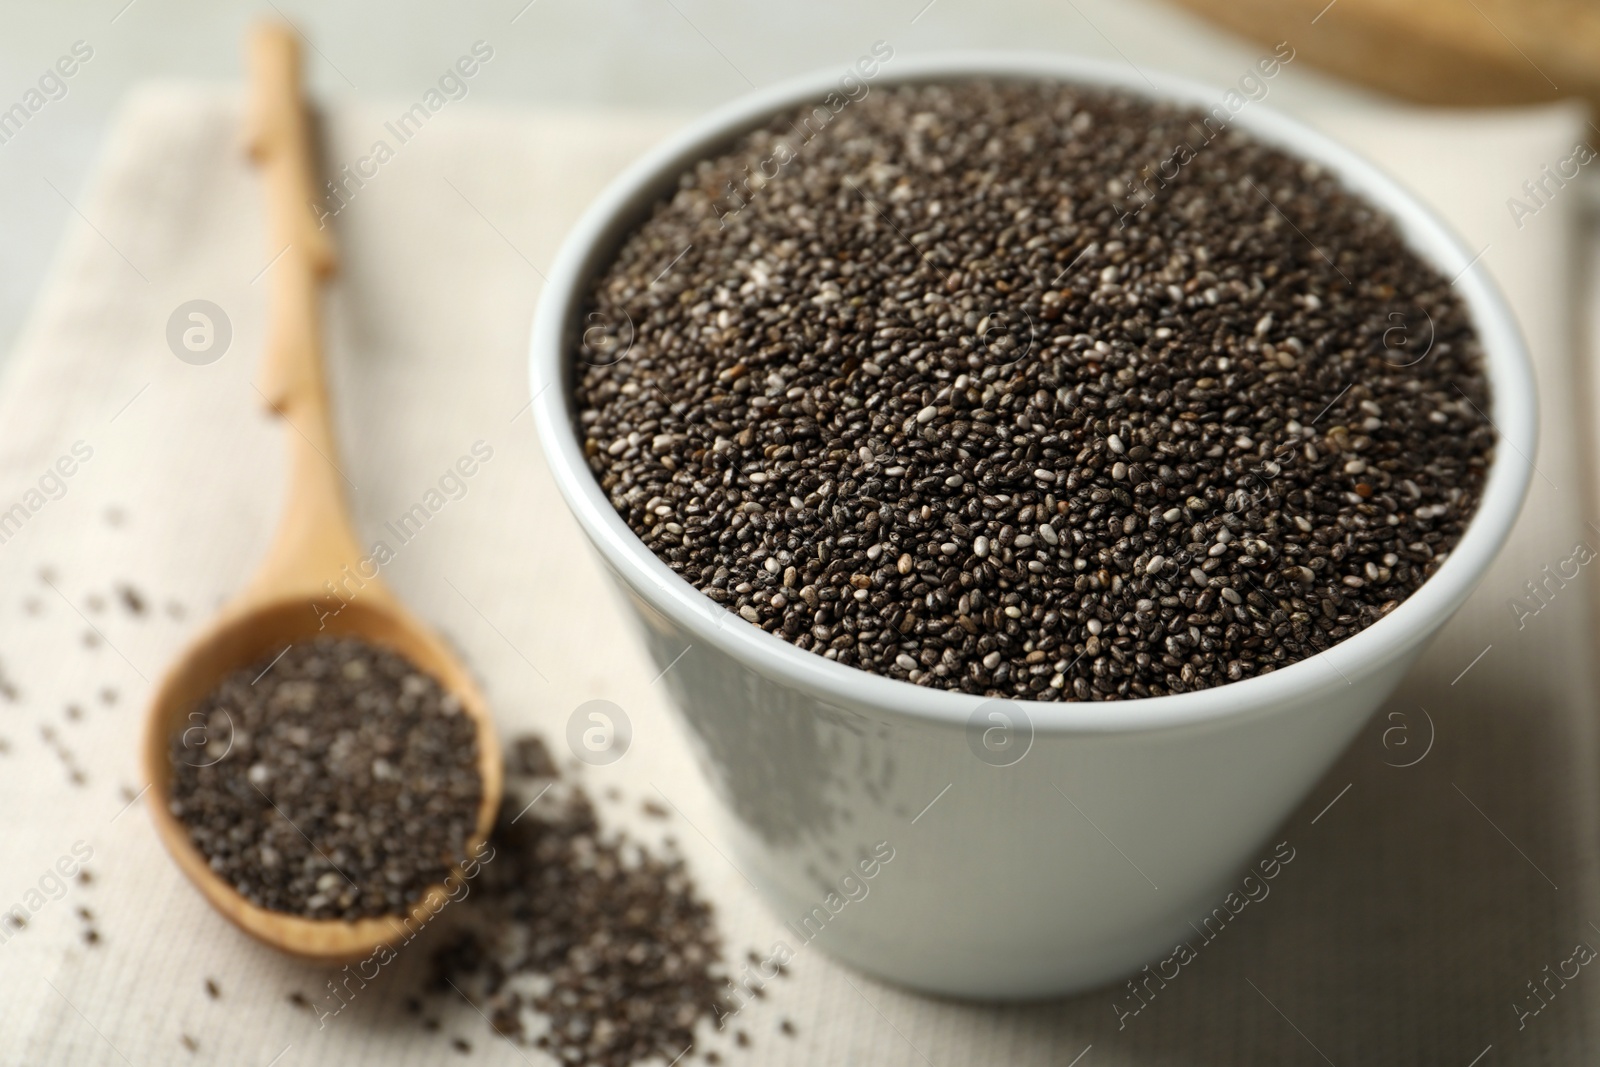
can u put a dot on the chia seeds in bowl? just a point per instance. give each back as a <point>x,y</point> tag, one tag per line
<point>986,387</point>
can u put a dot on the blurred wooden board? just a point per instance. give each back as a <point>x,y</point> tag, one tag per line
<point>1463,52</point>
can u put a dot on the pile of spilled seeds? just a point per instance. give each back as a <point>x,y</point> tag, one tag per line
<point>583,944</point>
<point>992,387</point>
<point>335,781</point>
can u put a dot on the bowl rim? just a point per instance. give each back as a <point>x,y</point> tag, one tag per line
<point>625,201</point>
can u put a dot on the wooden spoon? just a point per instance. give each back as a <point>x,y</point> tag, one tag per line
<point>290,598</point>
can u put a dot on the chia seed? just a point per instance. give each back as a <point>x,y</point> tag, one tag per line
<point>981,393</point>
<point>529,758</point>
<point>132,600</point>
<point>336,781</point>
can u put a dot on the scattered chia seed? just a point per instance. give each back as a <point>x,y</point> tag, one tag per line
<point>529,758</point>
<point>942,400</point>
<point>341,783</point>
<point>131,599</point>
<point>69,760</point>
<point>90,935</point>
<point>212,989</point>
<point>586,945</point>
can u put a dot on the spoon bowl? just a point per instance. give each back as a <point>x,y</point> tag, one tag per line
<point>261,632</point>
<point>293,597</point>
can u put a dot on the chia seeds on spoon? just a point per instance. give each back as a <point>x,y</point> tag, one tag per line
<point>983,391</point>
<point>336,781</point>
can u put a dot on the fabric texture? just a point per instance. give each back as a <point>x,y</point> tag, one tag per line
<point>1446,861</point>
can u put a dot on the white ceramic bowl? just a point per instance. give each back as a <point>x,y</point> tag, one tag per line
<point>1111,826</point>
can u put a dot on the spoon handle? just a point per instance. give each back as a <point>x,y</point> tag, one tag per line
<point>280,144</point>
<point>314,544</point>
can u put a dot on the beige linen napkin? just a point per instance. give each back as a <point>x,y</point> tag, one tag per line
<point>1442,865</point>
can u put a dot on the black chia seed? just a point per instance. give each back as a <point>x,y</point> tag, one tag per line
<point>528,757</point>
<point>335,782</point>
<point>942,400</point>
<point>132,600</point>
